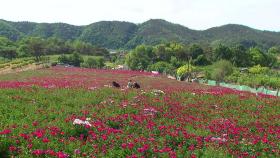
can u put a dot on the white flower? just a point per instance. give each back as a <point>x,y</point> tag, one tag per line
<point>81,122</point>
<point>158,92</point>
<point>218,139</point>
<point>150,111</point>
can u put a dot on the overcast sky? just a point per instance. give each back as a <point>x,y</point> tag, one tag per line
<point>195,14</point>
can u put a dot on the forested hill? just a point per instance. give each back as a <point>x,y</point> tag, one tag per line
<point>116,34</point>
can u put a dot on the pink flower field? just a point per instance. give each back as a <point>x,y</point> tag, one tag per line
<point>74,112</point>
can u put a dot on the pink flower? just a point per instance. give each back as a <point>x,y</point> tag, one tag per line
<point>45,140</point>
<point>35,123</point>
<point>5,132</point>
<point>124,145</point>
<point>60,154</point>
<point>104,137</point>
<point>38,152</point>
<point>77,151</point>
<point>12,148</point>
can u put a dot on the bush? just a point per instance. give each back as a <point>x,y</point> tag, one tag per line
<point>94,62</point>
<point>258,69</point>
<point>184,70</point>
<point>162,67</point>
<point>221,69</point>
<point>202,61</point>
<point>53,63</point>
<point>74,59</point>
<point>63,59</point>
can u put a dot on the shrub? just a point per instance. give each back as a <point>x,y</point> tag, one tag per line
<point>184,70</point>
<point>53,63</point>
<point>258,69</point>
<point>94,62</point>
<point>162,67</point>
<point>221,69</point>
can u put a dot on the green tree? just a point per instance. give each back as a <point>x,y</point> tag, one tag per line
<point>274,50</point>
<point>162,67</point>
<point>139,58</point>
<point>63,59</point>
<point>76,59</point>
<point>257,56</point>
<point>95,62</point>
<point>185,71</point>
<point>195,50</point>
<point>36,46</point>
<point>175,62</point>
<point>222,52</point>
<point>221,69</point>
<point>201,60</point>
<point>7,48</point>
<point>240,56</point>
<point>161,52</point>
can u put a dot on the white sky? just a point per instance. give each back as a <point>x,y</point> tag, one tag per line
<point>195,14</point>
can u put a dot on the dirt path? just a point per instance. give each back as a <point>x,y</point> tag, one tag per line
<point>25,68</point>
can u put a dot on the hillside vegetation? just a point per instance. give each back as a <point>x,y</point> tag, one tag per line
<point>115,34</point>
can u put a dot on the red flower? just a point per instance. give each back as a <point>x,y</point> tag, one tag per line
<point>12,148</point>
<point>35,123</point>
<point>45,140</point>
<point>124,145</point>
<point>6,131</point>
<point>104,137</point>
<point>38,152</point>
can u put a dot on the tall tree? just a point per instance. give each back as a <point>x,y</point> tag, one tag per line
<point>257,56</point>
<point>7,48</point>
<point>240,56</point>
<point>139,58</point>
<point>36,46</point>
<point>222,52</point>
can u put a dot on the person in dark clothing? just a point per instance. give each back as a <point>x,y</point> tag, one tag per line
<point>115,84</point>
<point>136,85</point>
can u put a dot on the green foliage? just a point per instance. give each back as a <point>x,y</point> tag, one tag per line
<point>195,51</point>
<point>74,59</point>
<point>109,34</point>
<point>7,48</point>
<point>36,46</point>
<point>114,34</point>
<point>201,60</point>
<point>221,69</point>
<point>162,67</point>
<point>257,56</point>
<point>175,62</point>
<point>222,52</point>
<point>258,69</point>
<point>94,62</point>
<point>274,50</point>
<point>183,70</point>
<point>63,59</point>
<point>240,56</point>
<point>139,58</point>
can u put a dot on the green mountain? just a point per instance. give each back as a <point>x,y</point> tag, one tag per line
<point>158,31</point>
<point>116,34</point>
<point>109,34</point>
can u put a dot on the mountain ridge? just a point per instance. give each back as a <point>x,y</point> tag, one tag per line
<point>122,34</point>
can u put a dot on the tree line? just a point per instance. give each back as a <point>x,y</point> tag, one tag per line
<point>37,47</point>
<point>165,57</point>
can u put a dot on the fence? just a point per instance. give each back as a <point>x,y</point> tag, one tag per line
<point>242,87</point>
